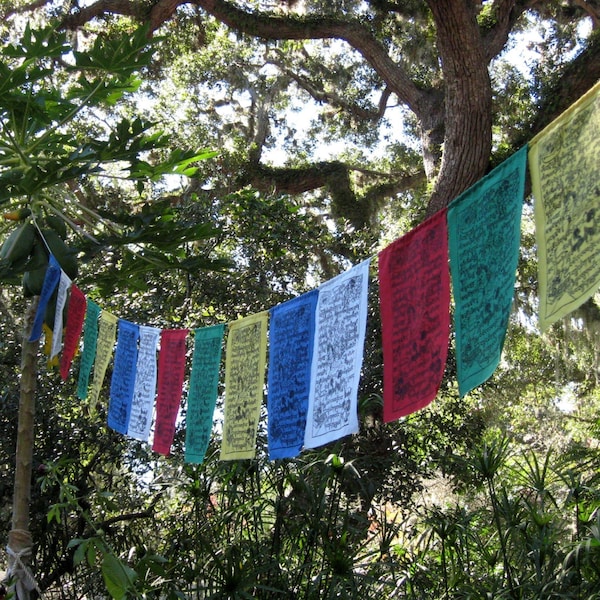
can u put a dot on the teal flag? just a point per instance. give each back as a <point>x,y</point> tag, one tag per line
<point>484,233</point>
<point>90,339</point>
<point>202,396</point>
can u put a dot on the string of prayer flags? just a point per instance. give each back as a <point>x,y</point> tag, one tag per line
<point>414,296</point>
<point>317,339</point>
<point>245,361</point>
<point>123,376</point>
<point>202,395</point>
<point>73,329</point>
<point>64,283</point>
<point>107,332</point>
<point>144,389</point>
<point>340,323</point>
<point>484,234</point>
<point>563,164</point>
<point>291,340</point>
<point>171,373</point>
<point>90,342</point>
<point>51,279</point>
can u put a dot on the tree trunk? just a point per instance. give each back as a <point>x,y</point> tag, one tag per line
<point>468,104</point>
<point>19,539</point>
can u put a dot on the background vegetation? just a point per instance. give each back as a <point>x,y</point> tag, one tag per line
<point>213,159</point>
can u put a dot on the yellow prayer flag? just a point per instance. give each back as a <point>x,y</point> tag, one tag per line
<point>245,362</point>
<point>48,338</point>
<point>564,162</point>
<point>107,332</point>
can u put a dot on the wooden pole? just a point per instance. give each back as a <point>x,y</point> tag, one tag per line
<point>20,542</point>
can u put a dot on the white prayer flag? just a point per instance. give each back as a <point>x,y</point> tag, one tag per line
<point>64,284</point>
<point>144,389</point>
<point>341,320</point>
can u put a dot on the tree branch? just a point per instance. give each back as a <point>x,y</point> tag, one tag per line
<point>578,76</point>
<point>100,8</point>
<point>505,13</point>
<point>17,10</point>
<point>592,9</point>
<point>161,12</point>
<point>318,93</point>
<point>66,564</point>
<point>143,514</point>
<point>335,177</point>
<point>356,34</point>
<point>270,27</point>
<point>259,127</point>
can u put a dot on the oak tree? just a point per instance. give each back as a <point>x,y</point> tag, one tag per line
<point>436,62</point>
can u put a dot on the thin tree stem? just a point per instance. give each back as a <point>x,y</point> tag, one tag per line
<point>19,539</point>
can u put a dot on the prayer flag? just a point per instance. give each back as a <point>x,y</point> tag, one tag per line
<point>47,349</point>
<point>51,279</point>
<point>202,396</point>
<point>75,317</point>
<point>107,332</point>
<point>144,390</point>
<point>245,362</point>
<point>123,376</point>
<point>291,339</point>
<point>340,322</point>
<point>171,372</point>
<point>484,233</point>
<point>64,283</point>
<point>563,163</point>
<point>90,341</point>
<point>414,297</point>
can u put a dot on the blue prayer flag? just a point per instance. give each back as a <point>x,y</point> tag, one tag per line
<point>51,280</point>
<point>123,376</point>
<point>291,340</point>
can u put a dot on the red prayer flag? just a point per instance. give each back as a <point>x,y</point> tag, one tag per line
<point>171,371</point>
<point>414,296</point>
<point>75,317</point>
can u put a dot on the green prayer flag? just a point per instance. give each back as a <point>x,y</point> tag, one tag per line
<point>90,339</point>
<point>484,239</point>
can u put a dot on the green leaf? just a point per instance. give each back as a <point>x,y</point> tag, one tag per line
<point>93,548</point>
<point>54,513</point>
<point>177,163</point>
<point>103,89</point>
<point>80,552</point>
<point>39,43</point>
<point>153,563</point>
<point>119,55</point>
<point>118,577</point>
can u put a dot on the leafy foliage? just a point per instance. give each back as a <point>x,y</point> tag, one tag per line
<point>47,150</point>
<point>490,496</point>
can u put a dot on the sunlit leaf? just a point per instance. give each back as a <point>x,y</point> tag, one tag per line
<point>118,577</point>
